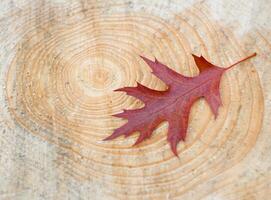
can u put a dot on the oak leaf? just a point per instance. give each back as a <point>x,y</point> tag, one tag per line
<point>172,105</point>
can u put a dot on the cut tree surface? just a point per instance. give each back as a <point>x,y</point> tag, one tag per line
<point>60,64</point>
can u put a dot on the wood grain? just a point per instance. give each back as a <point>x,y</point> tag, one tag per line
<point>60,63</point>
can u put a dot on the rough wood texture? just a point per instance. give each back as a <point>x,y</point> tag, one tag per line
<point>60,62</point>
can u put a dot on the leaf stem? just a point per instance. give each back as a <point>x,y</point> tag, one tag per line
<point>248,57</point>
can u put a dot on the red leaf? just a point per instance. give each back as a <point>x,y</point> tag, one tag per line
<point>172,105</point>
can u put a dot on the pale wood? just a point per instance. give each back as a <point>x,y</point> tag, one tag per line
<point>60,62</point>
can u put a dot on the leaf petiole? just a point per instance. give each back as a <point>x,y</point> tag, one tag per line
<point>246,58</point>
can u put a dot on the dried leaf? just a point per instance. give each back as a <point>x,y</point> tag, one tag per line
<point>172,105</point>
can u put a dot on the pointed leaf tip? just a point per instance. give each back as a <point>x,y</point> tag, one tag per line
<point>173,146</point>
<point>139,140</point>
<point>111,137</point>
<point>202,63</point>
<point>119,90</point>
<point>195,56</point>
<point>144,58</point>
<point>107,138</point>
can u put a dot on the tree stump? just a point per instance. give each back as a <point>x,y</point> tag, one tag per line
<point>62,60</point>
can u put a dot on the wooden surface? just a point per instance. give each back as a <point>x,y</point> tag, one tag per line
<point>60,62</point>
